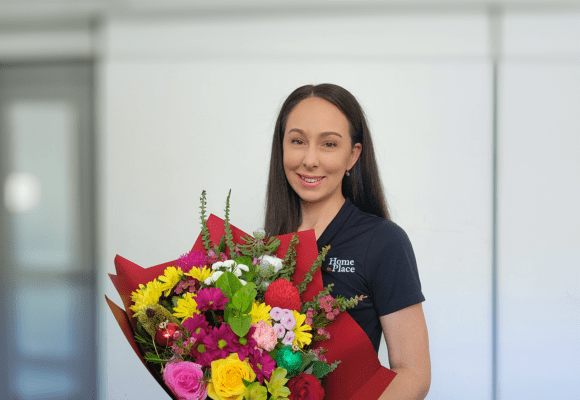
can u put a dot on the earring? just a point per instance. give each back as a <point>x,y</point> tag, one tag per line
<point>347,173</point>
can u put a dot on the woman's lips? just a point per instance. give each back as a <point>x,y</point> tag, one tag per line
<point>310,181</point>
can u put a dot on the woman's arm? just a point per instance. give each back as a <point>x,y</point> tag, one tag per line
<point>408,347</point>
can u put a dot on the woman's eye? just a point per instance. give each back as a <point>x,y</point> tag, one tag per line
<point>329,144</point>
<point>296,141</point>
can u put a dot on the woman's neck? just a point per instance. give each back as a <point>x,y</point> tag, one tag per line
<point>319,215</point>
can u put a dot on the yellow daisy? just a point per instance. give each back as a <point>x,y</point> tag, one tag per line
<point>146,295</point>
<point>302,338</point>
<point>171,277</point>
<point>260,312</point>
<point>200,274</point>
<point>186,307</point>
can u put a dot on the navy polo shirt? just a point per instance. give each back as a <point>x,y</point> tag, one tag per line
<point>372,256</point>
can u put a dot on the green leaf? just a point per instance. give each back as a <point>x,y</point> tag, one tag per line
<point>240,324</point>
<point>222,247</point>
<point>242,300</point>
<point>228,312</point>
<point>319,369</point>
<point>276,384</point>
<point>229,284</point>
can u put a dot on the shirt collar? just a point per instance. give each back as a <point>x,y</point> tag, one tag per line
<point>335,225</point>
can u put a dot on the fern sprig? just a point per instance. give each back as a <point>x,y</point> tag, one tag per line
<point>290,259</point>
<point>204,231</point>
<point>315,266</point>
<point>227,228</point>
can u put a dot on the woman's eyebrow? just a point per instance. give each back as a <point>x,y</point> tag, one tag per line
<point>323,134</point>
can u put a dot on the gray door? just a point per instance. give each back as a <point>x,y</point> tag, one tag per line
<point>47,218</point>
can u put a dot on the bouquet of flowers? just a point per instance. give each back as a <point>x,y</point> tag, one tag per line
<point>238,317</point>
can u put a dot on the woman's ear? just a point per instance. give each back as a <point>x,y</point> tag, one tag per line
<point>355,154</point>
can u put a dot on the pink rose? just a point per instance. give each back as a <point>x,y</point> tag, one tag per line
<point>265,336</point>
<point>185,380</point>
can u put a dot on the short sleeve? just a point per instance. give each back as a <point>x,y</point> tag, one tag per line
<point>392,274</point>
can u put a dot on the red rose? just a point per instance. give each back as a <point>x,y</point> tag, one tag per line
<point>305,387</point>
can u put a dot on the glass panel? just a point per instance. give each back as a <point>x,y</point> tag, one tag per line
<point>40,135</point>
<point>39,382</point>
<point>45,320</point>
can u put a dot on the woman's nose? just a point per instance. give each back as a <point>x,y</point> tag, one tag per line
<point>310,157</point>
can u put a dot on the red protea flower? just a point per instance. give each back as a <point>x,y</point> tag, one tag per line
<point>282,293</point>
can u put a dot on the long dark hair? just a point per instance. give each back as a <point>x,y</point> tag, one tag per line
<point>363,187</point>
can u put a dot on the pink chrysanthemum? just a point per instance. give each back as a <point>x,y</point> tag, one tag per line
<point>199,350</point>
<point>221,342</point>
<point>196,324</point>
<point>211,299</point>
<point>262,364</point>
<point>192,259</point>
<point>246,344</point>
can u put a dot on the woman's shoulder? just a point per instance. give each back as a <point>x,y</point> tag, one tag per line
<point>381,229</point>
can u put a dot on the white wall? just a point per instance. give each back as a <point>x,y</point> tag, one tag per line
<point>538,198</point>
<point>190,104</point>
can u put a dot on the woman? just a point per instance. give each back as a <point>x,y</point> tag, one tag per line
<point>323,176</point>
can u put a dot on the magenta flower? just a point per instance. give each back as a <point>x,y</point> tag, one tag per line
<point>185,380</point>
<point>221,342</point>
<point>193,259</point>
<point>246,344</point>
<point>262,364</point>
<point>211,299</point>
<point>199,351</point>
<point>195,324</point>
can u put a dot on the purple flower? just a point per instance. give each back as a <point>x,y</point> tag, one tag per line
<point>289,338</point>
<point>280,330</point>
<point>185,380</point>
<point>276,313</point>
<point>288,321</point>
<point>211,299</point>
<point>193,259</point>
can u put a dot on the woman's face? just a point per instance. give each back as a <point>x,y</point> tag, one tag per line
<point>317,150</point>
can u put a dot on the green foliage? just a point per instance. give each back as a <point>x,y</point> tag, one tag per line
<point>227,228</point>
<point>289,262</point>
<point>255,391</point>
<point>229,284</point>
<point>240,324</point>
<point>241,298</point>
<point>258,247</point>
<point>315,266</point>
<point>204,231</point>
<point>276,384</point>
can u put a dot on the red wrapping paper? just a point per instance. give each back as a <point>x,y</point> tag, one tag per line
<point>359,376</point>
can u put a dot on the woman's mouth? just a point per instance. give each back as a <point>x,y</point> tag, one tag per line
<point>310,181</point>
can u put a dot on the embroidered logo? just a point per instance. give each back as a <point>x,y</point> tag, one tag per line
<point>341,265</point>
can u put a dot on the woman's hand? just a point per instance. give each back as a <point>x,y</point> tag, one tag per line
<point>408,348</point>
